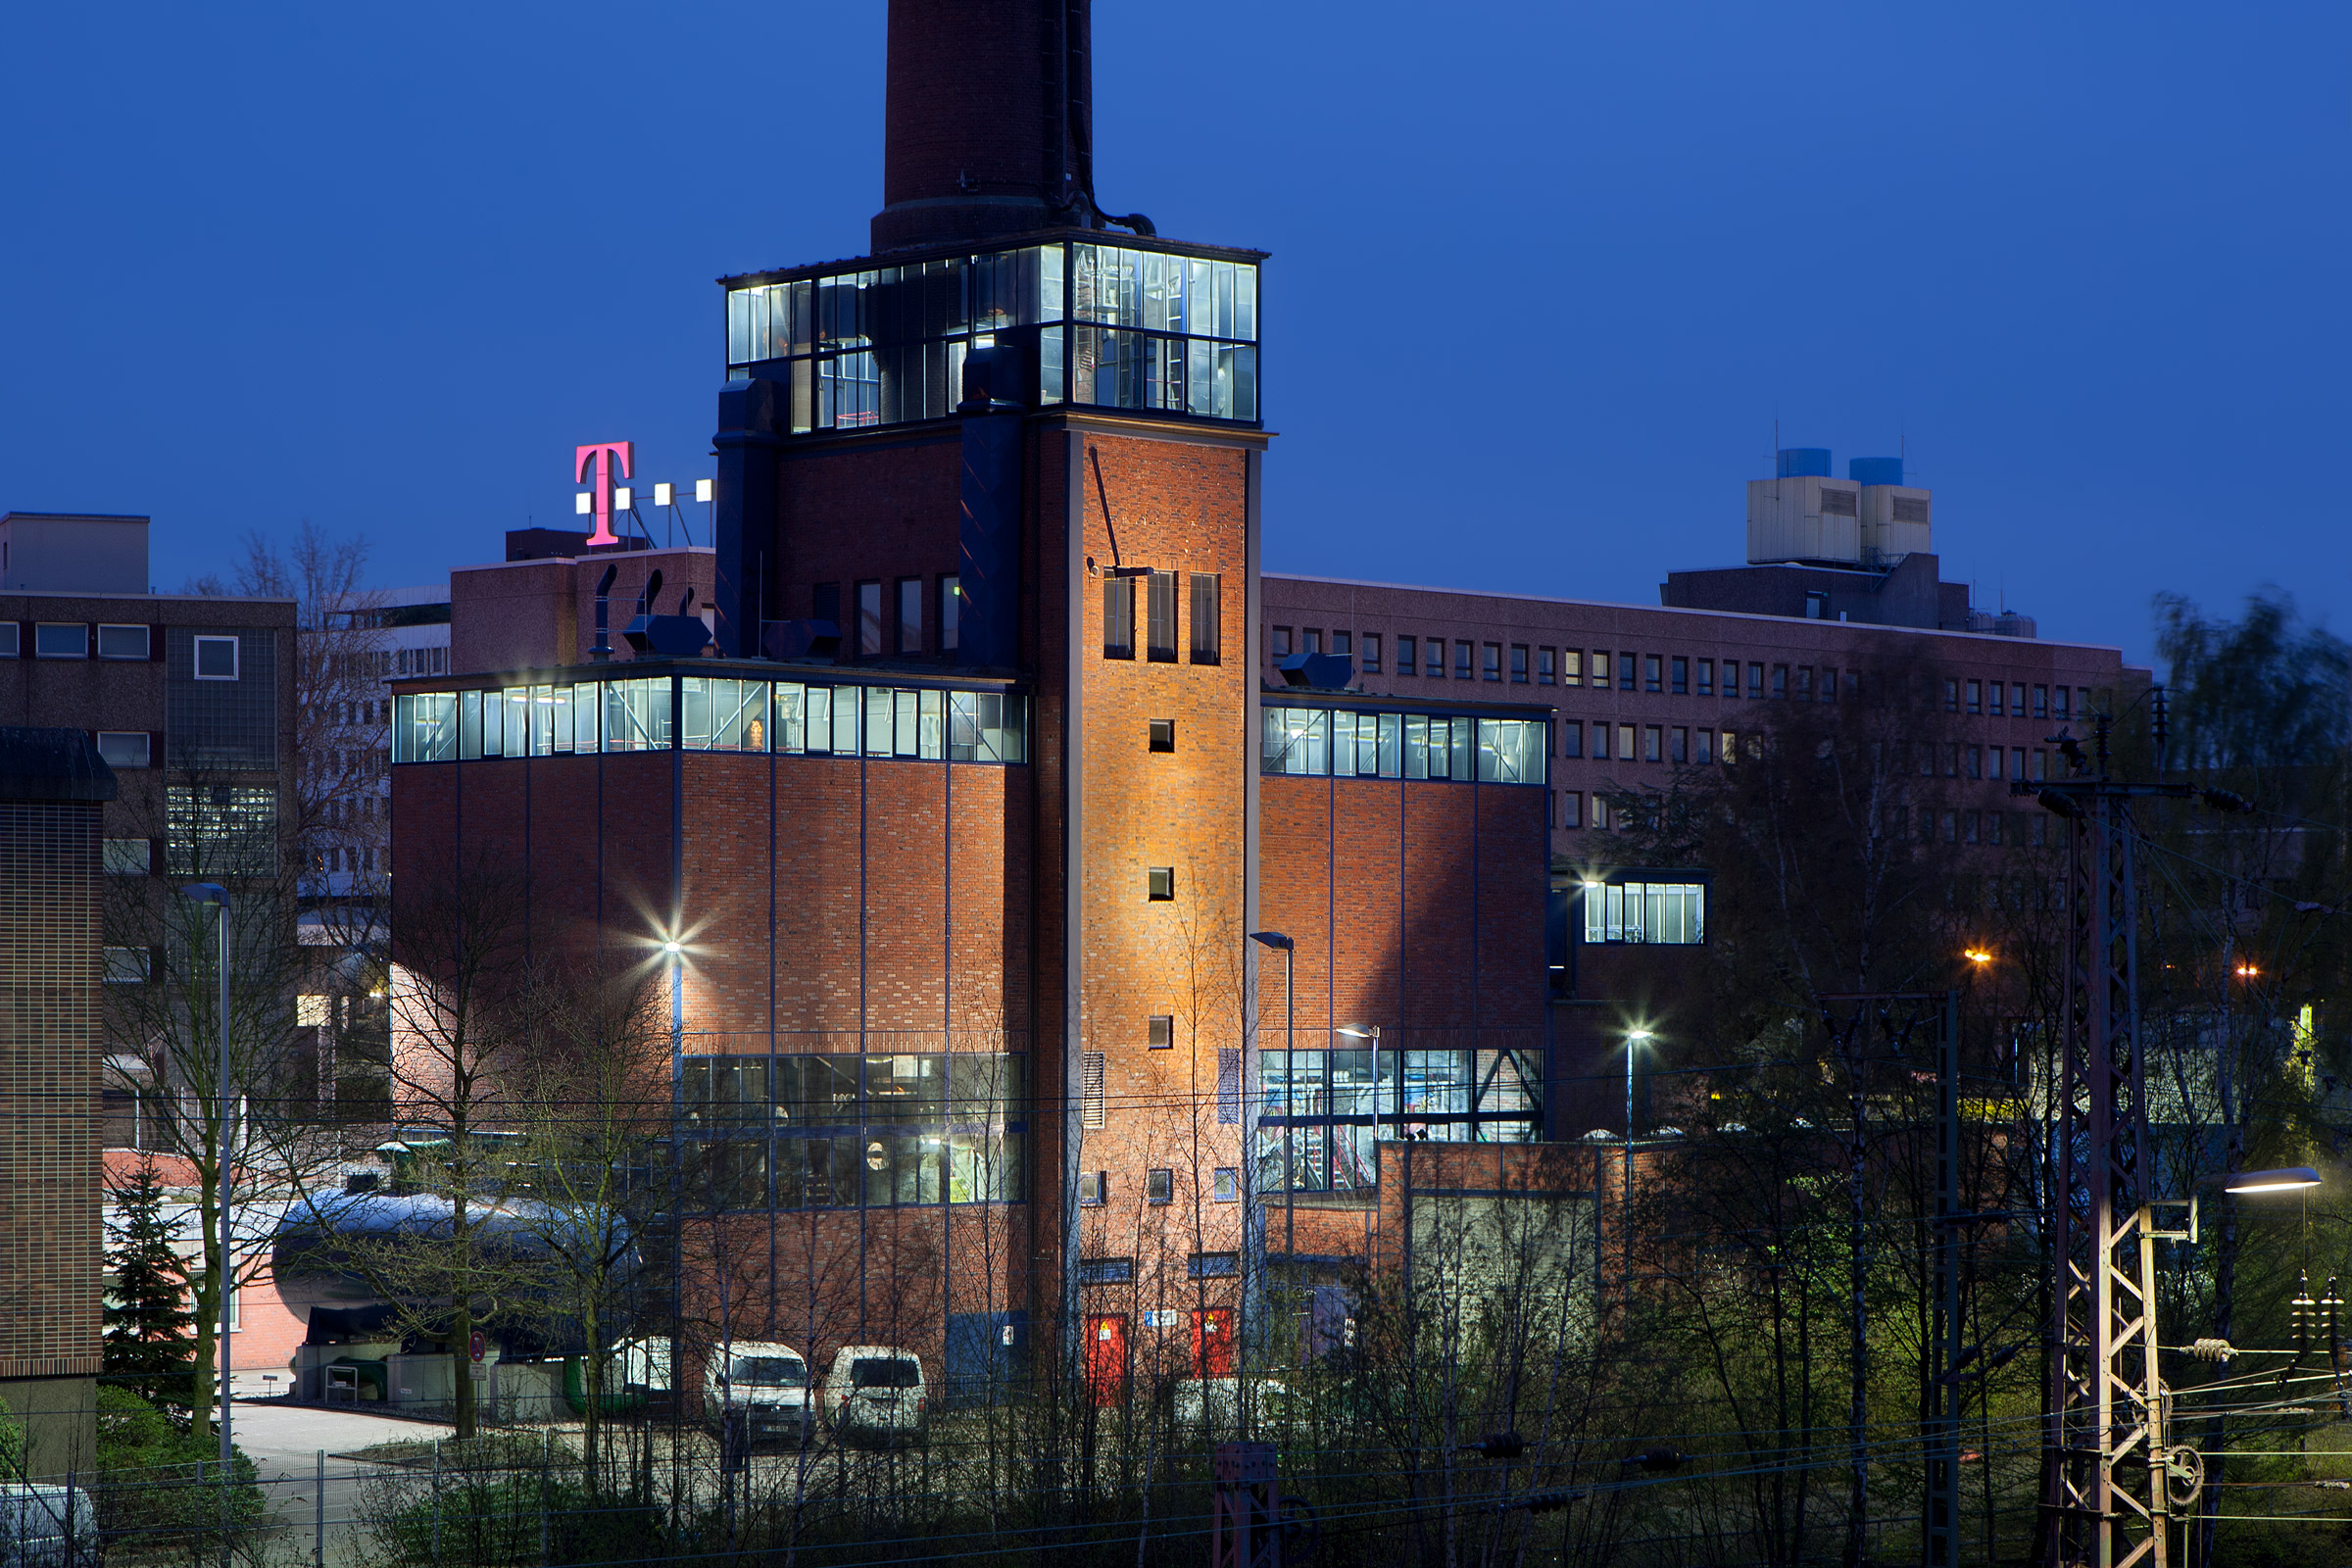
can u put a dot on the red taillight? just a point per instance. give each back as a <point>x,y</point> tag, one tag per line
<point>922,1404</point>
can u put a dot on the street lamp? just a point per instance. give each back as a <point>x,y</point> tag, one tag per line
<point>1978,956</point>
<point>1371,1032</point>
<point>214,894</point>
<point>2292,1178</point>
<point>1635,1039</point>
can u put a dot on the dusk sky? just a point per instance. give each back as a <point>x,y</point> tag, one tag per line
<point>1544,278</point>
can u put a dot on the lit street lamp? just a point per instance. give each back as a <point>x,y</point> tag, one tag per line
<point>1635,1039</point>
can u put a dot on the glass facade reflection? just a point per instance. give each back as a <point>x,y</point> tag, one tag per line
<point>872,1131</point>
<point>1324,1110</point>
<point>1122,327</point>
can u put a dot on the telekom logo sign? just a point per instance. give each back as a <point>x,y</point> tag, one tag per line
<point>604,459</point>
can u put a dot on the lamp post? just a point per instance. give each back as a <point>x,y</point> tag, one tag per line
<point>1252,1229</point>
<point>214,894</point>
<point>1371,1032</point>
<point>1635,1039</point>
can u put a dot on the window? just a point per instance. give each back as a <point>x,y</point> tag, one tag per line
<point>9,634</point>
<point>1705,749</point>
<point>1600,742</point>
<point>870,621</point>
<point>1339,642</point>
<point>1090,1089</point>
<point>1779,683</point>
<point>2060,705</point>
<point>1994,692</point>
<point>1160,1032</point>
<point>910,614</point>
<point>1993,760</point>
<point>2017,700</point>
<point>2042,765</point>
<point>1976,761</point>
<point>126,857</point>
<point>1624,672</point>
<point>1435,650</point>
<point>1215,1265</point>
<point>1969,827</point>
<point>121,642</point>
<point>1625,743</point>
<point>1572,737</point>
<point>1951,827</point>
<point>824,603</point>
<point>1829,684</point>
<point>1159,884</point>
<point>1281,637</point>
<point>1310,640</point>
<point>1164,734</point>
<point>1572,666</point>
<point>1651,747</point>
<point>1093,1190</point>
<point>61,640</point>
<point>1102,1270</point>
<point>1226,1185</point>
<point>1680,675</point>
<point>2017,761</point>
<point>2042,702</point>
<point>951,614</point>
<point>1519,664</point>
<point>1652,665</point>
<point>1601,669</point>
<point>1371,653</point>
<point>1706,678</point>
<point>1160,1186</point>
<point>126,967</point>
<point>1951,695</point>
<point>123,748</point>
<point>1731,747</point>
<point>1547,661</point>
<point>1976,697</point>
<point>1817,605</point>
<point>221,830</point>
<point>1678,746</point>
<point>1494,661</point>
<point>1804,683</point>
<point>1118,622</point>
<point>1409,656</point>
<point>1461,661</point>
<point>1600,811</point>
<point>1668,913</point>
<point>1208,641</point>
<point>1572,808</point>
<point>1755,682</point>
<point>1162,626</point>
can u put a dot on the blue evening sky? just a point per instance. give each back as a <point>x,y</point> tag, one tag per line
<point>1545,276</point>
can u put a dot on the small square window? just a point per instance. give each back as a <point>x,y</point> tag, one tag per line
<point>123,748</point>
<point>1161,1032</point>
<point>1159,884</point>
<point>216,658</point>
<point>126,857</point>
<point>1371,654</point>
<point>1226,1185</point>
<point>1215,1265</point>
<point>1159,1187</point>
<point>121,642</point>
<point>1094,1188</point>
<point>1164,734</point>
<point>126,967</point>
<point>61,640</point>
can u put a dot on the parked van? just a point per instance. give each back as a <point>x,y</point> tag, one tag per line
<point>765,1384</point>
<point>875,1395</point>
<point>48,1527</point>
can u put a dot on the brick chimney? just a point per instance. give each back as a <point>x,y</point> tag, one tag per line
<point>988,125</point>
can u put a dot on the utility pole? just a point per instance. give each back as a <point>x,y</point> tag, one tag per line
<point>2103,1486</point>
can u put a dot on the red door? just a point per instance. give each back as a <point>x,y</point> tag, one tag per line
<point>1212,1342</point>
<point>1107,1357</point>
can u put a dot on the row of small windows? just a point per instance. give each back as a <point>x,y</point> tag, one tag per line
<point>1672,913</point>
<point>890,616</point>
<point>711,713</point>
<point>1320,742</point>
<point>1203,599</point>
<point>1678,674</point>
<point>1948,826</point>
<point>216,656</point>
<point>1678,744</point>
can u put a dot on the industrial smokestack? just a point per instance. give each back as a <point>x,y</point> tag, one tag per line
<point>988,128</point>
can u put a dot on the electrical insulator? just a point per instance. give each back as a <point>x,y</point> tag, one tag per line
<point>1497,1445</point>
<point>1549,1501</point>
<point>2213,1349</point>
<point>2304,1317</point>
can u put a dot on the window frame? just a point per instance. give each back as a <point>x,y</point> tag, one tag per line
<point>951,613</point>
<point>146,748</point>
<point>79,629</point>
<point>1206,610</point>
<point>1159,884</point>
<point>909,637</point>
<point>1160,735</point>
<point>236,655</point>
<point>1118,619</point>
<point>146,641</point>
<point>1159,613</point>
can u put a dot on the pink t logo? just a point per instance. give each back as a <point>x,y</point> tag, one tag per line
<point>603,457</point>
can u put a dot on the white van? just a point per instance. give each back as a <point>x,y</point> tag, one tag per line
<point>48,1527</point>
<point>766,1383</point>
<point>875,1395</point>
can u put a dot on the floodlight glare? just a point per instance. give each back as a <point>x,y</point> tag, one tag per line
<point>2291,1179</point>
<point>622,498</point>
<point>702,489</point>
<point>661,493</point>
<point>672,948</point>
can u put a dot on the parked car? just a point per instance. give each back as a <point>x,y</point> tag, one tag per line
<point>44,1525</point>
<point>875,1395</point>
<point>763,1385</point>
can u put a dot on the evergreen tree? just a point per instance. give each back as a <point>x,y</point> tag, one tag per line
<point>150,1331</point>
